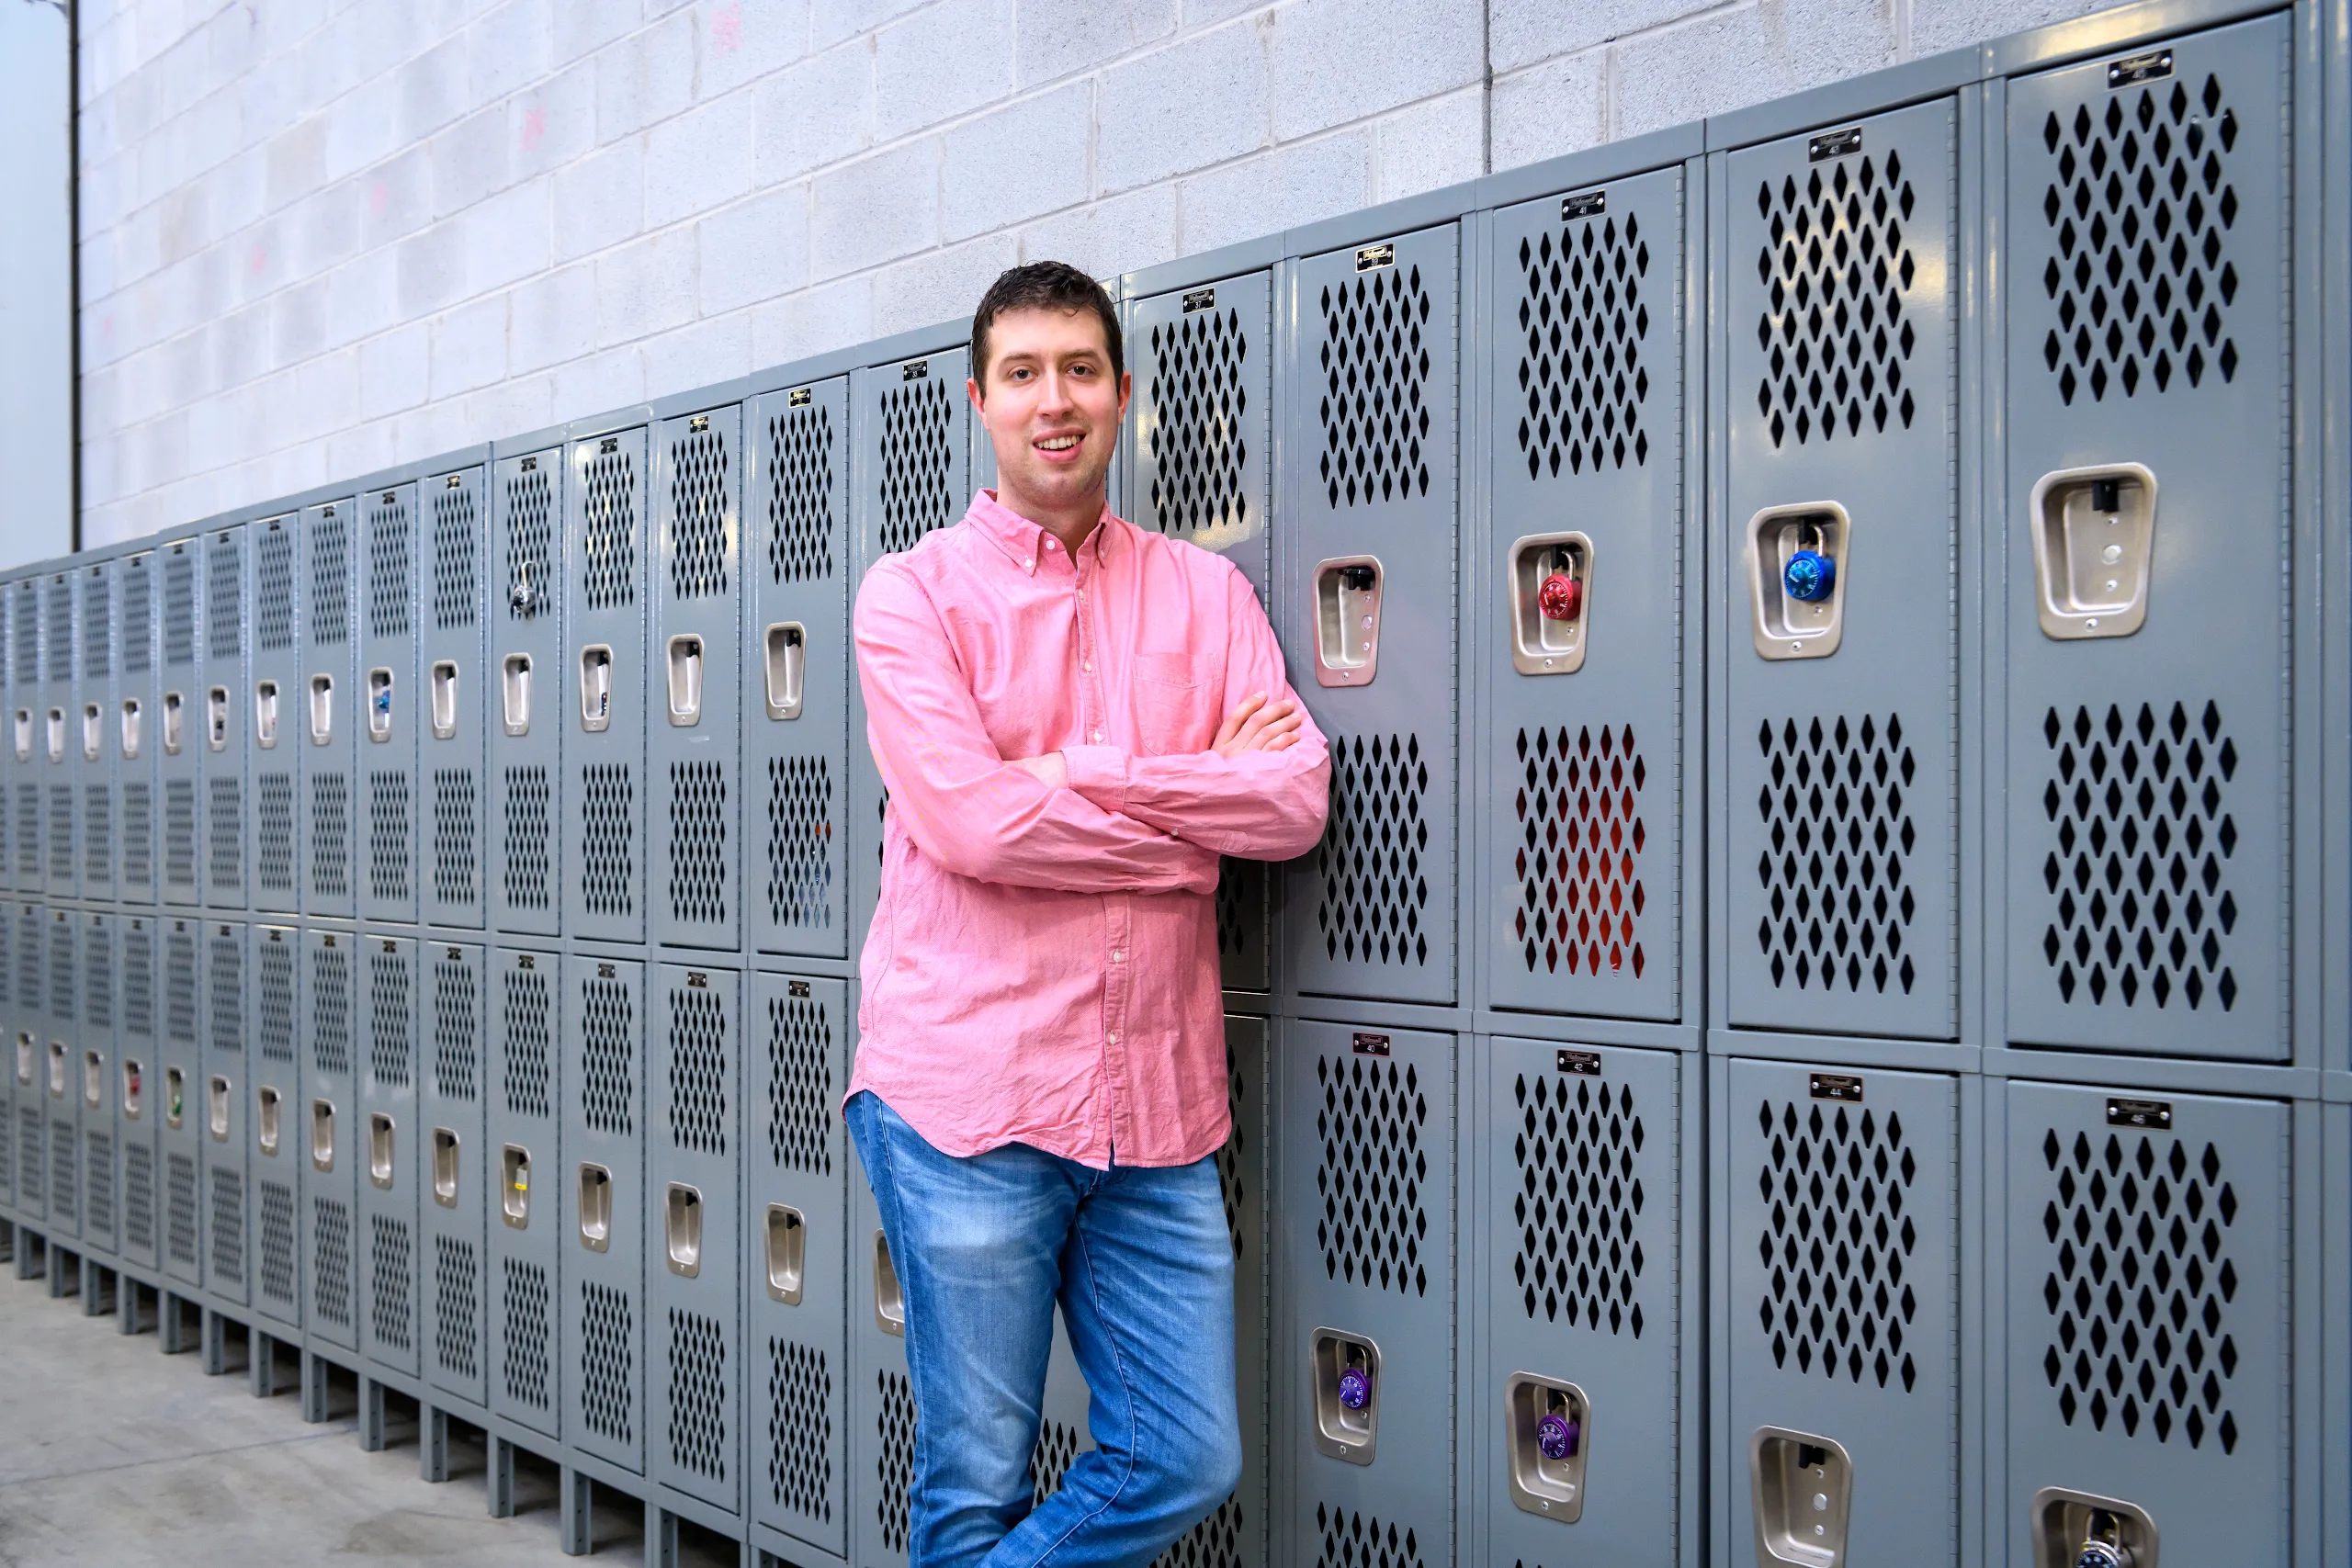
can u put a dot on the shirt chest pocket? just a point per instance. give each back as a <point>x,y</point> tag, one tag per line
<point>1176,711</point>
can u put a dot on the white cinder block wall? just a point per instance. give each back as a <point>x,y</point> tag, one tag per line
<point>323,236</point>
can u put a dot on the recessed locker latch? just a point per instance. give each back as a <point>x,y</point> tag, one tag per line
<point>266,1120</point>
<point>514,1186</point>
<point>1797,567</point>
<point>889,1301</point>
<point>216,718</point>
<point>786,648</point>
<point>595,688</point>
<point>1346,1368</point>
<point>1548,579</point>
<point>94,1078</point>
<point>57,1069</point>
<point>379,703</point>
<point>265,715</point>
<point>175,1097</point>
<point>1802,1490</point>
<point>57,734</point>
<point>1547,1428</point>
<point>2094,543</point>
<point>134,1088</point>
<point>132,715</point>
<point>514,692</point>
<point>445,1166</point>
<point>2076,1530</point>
<point>443,693</point>
<point>94,731</point>
<point>24,735</point>
<point>686,680</point>
<point>174,718</point>
<point>321,710</point>
<point>595,1207</point>
<point>380,1153</point>
<point>216,1107</point>
<point>322,1135</point>
<point>1347,620</point>
<point>682,1229</point>
<point>27,1055</point>
<point>787,1252</point>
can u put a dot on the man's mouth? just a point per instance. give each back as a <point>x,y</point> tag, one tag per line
<point>1064,443</point>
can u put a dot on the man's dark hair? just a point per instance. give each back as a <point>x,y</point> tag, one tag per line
<point>1043,286</point>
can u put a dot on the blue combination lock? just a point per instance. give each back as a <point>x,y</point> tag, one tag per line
<point>1809,576</point>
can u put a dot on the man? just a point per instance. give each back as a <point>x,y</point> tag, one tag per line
<point>1075,719</point>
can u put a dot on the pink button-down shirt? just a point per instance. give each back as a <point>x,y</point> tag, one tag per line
<point>1042,967</point>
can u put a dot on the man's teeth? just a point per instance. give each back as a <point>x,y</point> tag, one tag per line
<point>1058,443</point>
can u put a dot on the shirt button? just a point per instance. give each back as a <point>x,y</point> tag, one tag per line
<point>1053,544</point>
<point>1119,956</point>
<point>1098,738</point>
<point>1088,667</point>
<point>1115,1037</point>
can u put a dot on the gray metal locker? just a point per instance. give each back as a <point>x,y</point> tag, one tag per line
<point>59,862</point>
<point>455,1203</point>
<point>601,1186</point>
<point>1841,1375</point>
<point>915,449</point>
<point>1365,1313</point>
<point>387,1134</point>
<point>61,1047</point>
<point>223,1108</point>
<point>1374,362</point>
<point>91,1086</point>
<point>604,548</point>
<point>798,670</point>
<point>796,1248</point>
<point>180,1122</point>
<point>1839,542</point>
<point>1584,602</point>
<point>2150,1325</point>
<point>226,593</point>
<point>526,694</point>
<point>1575,1425</point>
<point>694,1214</point>
<point>88,719</point>
<point>1237,1534</point>
<point>179,750</point>
<point>327,706</point>
<point>1199,448</point>
<point>455,681</point>
<point>278,697</point>
<point>527,1215</point>
<point>137,1088</point>
<point>281,1127</point>
<point>26,721</point>
<point>2147,330</point>
<point>388,706</point>
<point>133,728</point>
<point>16,751</point>
<point>329,1132</point>
<point>692,723</point>
<point>15,1045</point>
<point>32,1060</point>
<point>882,1396</point>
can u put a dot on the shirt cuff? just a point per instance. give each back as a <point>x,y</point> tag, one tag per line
<point>1100,774</point>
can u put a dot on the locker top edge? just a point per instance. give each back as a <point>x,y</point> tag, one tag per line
<point>1911,82</point>
<point>1594,165</point>
<point>1208,266</point>
<point>2102,32</point>
<point>1402,216</point>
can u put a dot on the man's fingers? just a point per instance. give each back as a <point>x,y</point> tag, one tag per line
<point>1231,728</point>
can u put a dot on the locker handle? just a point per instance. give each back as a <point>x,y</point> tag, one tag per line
<point>134,1084</point>
<point>595,1207</point>
<point>94,731</point>
<point>2093,550</point>
<point>2079,1529</point>
<point>266,1118</point>
<point>786,650</point>
<point>57,1069</point>
<point>1801,1492</point>
<point>681,1230</point>
<point>173,723</point>
<point>443,695</point>
<point>1346,1370</point>
<point>175,1097</point>
<point>265,715</point>
<point>216,718</point>
<point>216,1107</point>
<point>27,1054</point>
<point>321,710</point>
<point>24,735</point>
<point>889,1301</point>
<point>1347,620</point>
<point>57,734</point>
<point>596,688</point>
<point>132,716</point>
<point>93,1079</point>
<point>787,1249</point>
<point>1797,570</point>
<point>514,1186</point>
<point>514,692</point>
<point>1547,1430</point>
<point>380,1150</point>
<point>379,705</point>
<point>1547,583</point>
<point>445,1166</point>
<point>686,681</point>
<point>322,1135</point>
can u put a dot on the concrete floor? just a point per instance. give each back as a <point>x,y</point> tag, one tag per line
<point>113,1453</point>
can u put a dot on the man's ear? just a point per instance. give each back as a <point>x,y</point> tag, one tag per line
<point>1126,391</point>
<point>980,404</point>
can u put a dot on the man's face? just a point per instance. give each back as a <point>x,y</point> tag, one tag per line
<point>1051,406</point>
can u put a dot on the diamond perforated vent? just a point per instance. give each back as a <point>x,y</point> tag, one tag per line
<point>1374,884</point>
<point>1199,395</point>
<point>138,836</point>
<point>699,1439</point>
<point>1579,861</point>
<point>608,838</point>
<point>607,1057</point>
<point>608,1360</point>
<point>522,1333</point>
<point>1215,1542</point>
<point>29,1183</point>
<point>226,1232</point>
<point>1375,411</point>
<point>98,1183</point>
<point>609,529</point>
<point>1374,1224</point>
<point>527,871</point>
<point>180,615</point>
<point>98,628</point>
<point>1837,1241</point>
<point>1839,843</point>
<point>274,589</point>
<point>327,622</point>
<point>800,494</point>
<point>179,833</point>
<point>61,833</point>
<point>698,1108</point>
<point>1234,1160</point>
<point>391,569</point>
<point>2141,1286</point>
<point>331,1011</point>
<point>274,996</point>
<point>800,1429</point>
<point>2139,206</point>
<point>456,1042</point>
<point>457,873</point>
<point>390,1266</point>
<point>97,979</point>
<point>330,1282</point>
<point>1050,1460</point>
<point>1581,370</point>
<point>179,984</point>
<point>896,1465</point>
<point>225,833</point>
<point>137,616</point>
<point>137,980</point>
<point>392,986</point>
<point>276,1274</point>
<point>65,1200</point>
<point>457,1307</point>
<point>97,838</point>
<point>1833,329</point>
<point>331,835</point>
<point>801,836</point>
<point>29,829</point>
<point>225,996</point>
<point>1351,1539</point>
<point>800,1086</point>
<point>390,833</point>
<point>699,858</point>
<point>179,1187</point>
<point>137,1190</point>
<point>698,475</point>
<point>456,586</point>
<point>529,1041</point>
<point>530,542</point>
<point>918,461</point>
<point>1577,1147</point>
<point>274,832</point>
<point>2139,809</point>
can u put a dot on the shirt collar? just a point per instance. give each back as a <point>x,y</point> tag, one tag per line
<point>1022,540</point>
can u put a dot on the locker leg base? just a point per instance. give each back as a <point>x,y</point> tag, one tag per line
<point>498,1475</point>
<point>215,1332</point>
<point>29,1251</point>
<point>432,1444</point>
<point>576,1508</point>
<point>371,1415</point>
<point>95,1297</point>
<point>171,1323</point>
<point>261,1364</point>
<point>661,1537</point>
<point>7,1241</point>
<point>314,1388</point>
<point>129,1307</point>
<point>63,1280</point>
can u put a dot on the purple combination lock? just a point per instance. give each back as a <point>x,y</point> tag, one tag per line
<point>1557,1437</point>
<point>1356,1388</point>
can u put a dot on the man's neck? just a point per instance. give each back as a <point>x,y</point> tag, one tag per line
<point>1072,525</point>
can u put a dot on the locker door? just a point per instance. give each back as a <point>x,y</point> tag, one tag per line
<point>281,1127</point>
<point>795,1225</point>
<point>180,1124</point>
<point>602,1202</point>
<point>16,1044</point>
<point>1583,806</point>
<point>133,731</point>
<point>604,687</point>
<point>179,725</point>
<point>387,1134</point>
<point>693,1215</point>
<point>526,1213</point>
<point>452,682</point>
<point>1844,1239</point>
<point>92,1086</point>
<point>225,719</point>
<point>329,1134</point>
<point>1366,1147</point>
<point>2149,547</point>
<point>693,726</point>
<point>449,1156</point>
<point>2149,1318</point>
<point>61,1045</point>
<point>1368,618</point>
<point>1841,808</point>
<point>799,670</point>
<point>225,1094</point>
<point>882,1436</point>
<point>137,1081</point>
<point>17,709</point>
<point>915,443</point>
<point>524,692</point>
<point>328,706</point>
<point>1200,443</point>
<point>28,1030</point>
<point>60,871</point>
<point>389,706</point>
<point>93,706</point>
<point>277,706</point>
<point>1581,1197</point>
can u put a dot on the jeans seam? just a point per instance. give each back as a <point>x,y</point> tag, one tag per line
<point>1127,1389</point>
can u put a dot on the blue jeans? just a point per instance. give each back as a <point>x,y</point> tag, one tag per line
<point>1142,1265</point>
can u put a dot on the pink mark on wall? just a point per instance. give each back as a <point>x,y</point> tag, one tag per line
<point>534,126</point>
<point>378,196</point>
<point>256,259</point>
<point>726,27</point>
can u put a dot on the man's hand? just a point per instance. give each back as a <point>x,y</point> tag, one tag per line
<point>1048,770</point>
<point>1257,726</point>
